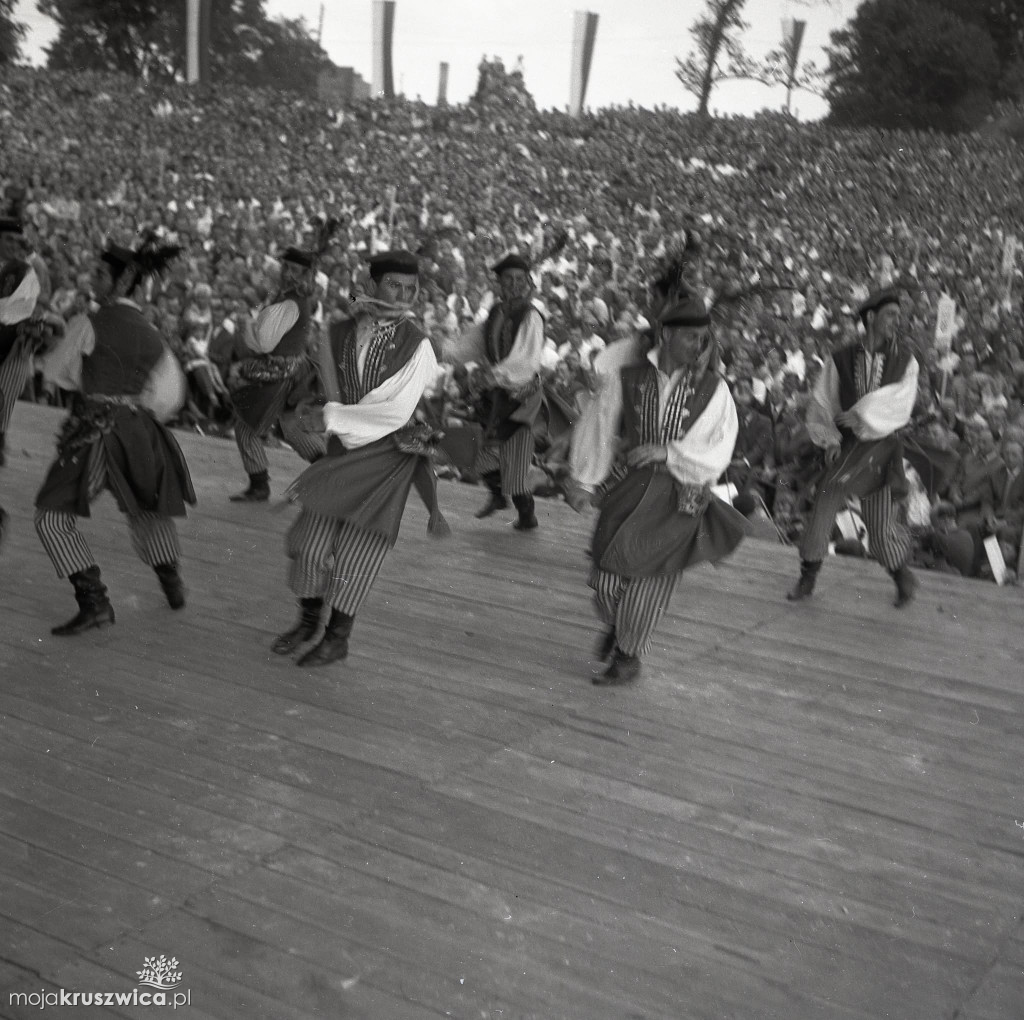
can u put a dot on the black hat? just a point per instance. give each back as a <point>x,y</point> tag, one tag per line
<point>511,261</point>
<point>308,258</point>
<point>396,261</point>
<point>116,255</point>
<point>300,257</point>
<point>11,225</point>
<point>879,299</point>
<point>149,259</point>
<point>690,310</point>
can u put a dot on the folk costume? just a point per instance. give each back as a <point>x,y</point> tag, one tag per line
<point>864,396</point>
<point>22,334</point>
<point>279,373</point>
<point>374,369</point>
<point>128,382</point>
<point>508,396</point>
<point>657,517</point>
<point>25,330</point>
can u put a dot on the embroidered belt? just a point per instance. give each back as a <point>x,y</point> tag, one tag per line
<point>270,369</point>
<point>93,416</point>
<point>100,400</point>
<point>417,437</point>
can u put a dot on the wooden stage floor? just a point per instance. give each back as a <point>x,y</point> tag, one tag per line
<point>808,811</point>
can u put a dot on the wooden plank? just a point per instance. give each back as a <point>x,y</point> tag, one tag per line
<point>809,808</point>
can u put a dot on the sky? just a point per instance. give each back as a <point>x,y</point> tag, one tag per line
<point>634,56</point>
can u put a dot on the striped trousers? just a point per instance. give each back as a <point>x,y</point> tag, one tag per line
<point>333,560</point>
<point>888,540</point>
<point>154,536</point>
<point>632,606</point>
<point>512,457</point>
<point>14,374</point>
<point>308,445</point>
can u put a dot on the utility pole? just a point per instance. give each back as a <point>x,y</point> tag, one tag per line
<point>320,28</point>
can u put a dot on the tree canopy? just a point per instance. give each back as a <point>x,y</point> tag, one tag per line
<point>11,34</point>
<point>718,55</point>
<point>930,64</point>
<point>146,38</point>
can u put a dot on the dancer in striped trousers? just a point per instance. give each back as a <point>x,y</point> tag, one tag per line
<point>25,329</point>
<point>507,349</point>
<point>863,397</point>
<point>17,343</point>
<point>127,381</point>
<point>374,368</point>
<point>277,375</point>
<point>658,516</point>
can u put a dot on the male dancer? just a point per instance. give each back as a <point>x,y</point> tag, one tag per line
<point>17,350</point>
<point>277,375</point>
<point>374,368</point>
<point>658,516</point>
<point>863,397</point>
<point>127,382</point>
<point>25,329</point>
<point>507,349</point>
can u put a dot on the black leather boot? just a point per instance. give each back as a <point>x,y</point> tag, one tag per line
<point>171,583</point>
<point>334,644</point>
<point>623,670</point>
<point>605,644</point>
<point>258,491</point>
<point>804,588</point>
<point>303,631</point>
<point>94,610</point>
<point>496,501</point>
<point>527,518</point>
<point>906,585</point>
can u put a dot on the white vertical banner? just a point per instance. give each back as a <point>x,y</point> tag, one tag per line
<point>197,41</point>
<point>383,33</point>
<point>442,84</point>
<point>192,10</point>
<point>584,34</point>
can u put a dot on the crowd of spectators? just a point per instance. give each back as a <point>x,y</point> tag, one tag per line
<point>794,224</point>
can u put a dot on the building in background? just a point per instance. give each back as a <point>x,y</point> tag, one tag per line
<point>341,86</point>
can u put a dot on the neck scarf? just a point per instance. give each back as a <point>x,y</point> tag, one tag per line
<point>380,310</point>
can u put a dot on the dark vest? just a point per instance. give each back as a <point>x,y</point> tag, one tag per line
<point>897,358</point>
<point>8,337</point>
<point>388,354</point>
<point>501,329</point>
<point>640,405</point>
<point>127,350</point>
<point>294,343</point>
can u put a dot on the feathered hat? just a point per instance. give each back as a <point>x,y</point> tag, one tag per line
<point>673,276</point>
<point>150,258</point>
<point>323,232</point>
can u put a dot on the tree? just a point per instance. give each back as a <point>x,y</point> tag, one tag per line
<point>144,38</point>
<point>716,32</point>
<point>717,29</point>
<point>109,35</point>
<point>1003,20</point>
<point>11,34</point>
<point>290,58</point>
<point>910,64</point>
